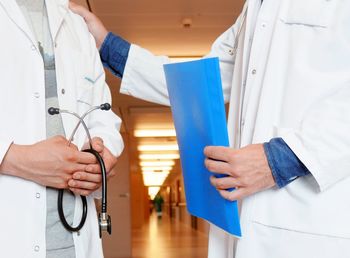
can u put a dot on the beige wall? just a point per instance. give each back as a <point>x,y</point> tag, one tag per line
<point>139,201</point>
<point>118,245</point>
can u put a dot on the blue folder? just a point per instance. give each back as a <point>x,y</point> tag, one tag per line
<point>197,105</point>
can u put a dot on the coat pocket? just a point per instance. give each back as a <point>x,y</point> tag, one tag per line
<point>315,13</point>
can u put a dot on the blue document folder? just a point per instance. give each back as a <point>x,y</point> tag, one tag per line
<point>197,104</point>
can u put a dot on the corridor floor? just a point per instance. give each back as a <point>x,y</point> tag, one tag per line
<point>168,238</point>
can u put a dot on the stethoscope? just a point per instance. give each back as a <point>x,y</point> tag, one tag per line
<point>104,220</point>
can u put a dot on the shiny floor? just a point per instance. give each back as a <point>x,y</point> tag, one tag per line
<point>168,238</point>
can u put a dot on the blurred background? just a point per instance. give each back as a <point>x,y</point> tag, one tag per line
<point>150,165</point>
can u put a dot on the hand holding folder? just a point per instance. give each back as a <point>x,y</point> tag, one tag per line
<point>197,104</point>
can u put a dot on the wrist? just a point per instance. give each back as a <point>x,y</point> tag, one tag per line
<point>101,38</point>
<point>14,161</point>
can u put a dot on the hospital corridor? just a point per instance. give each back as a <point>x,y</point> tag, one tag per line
<point>150,164</point>
<point>174,129</point>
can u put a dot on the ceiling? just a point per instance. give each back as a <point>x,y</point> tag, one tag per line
<point>158,25</point>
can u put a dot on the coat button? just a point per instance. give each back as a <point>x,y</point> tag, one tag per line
<point>37,95</point>
<point>63,91</point>
<point>37,195</point>
<point>254,71</point>
<point>37,248</point>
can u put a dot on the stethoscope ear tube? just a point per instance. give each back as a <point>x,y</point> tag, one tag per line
<point>104,178</point>
<point>104,220</point>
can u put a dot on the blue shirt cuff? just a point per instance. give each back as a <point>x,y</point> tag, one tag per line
<point>114,53</point>
<point>284,164</point>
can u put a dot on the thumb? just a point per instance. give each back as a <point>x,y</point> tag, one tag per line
<point>97,144</point>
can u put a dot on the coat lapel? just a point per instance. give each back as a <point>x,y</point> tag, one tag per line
<point>15,14</point>
<point>57,11</point>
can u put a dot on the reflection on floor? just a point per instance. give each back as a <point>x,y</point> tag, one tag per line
<point>168,238</point>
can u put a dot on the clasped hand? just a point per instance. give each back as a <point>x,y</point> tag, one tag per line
<point>246,169</point>
<point>54,164</point>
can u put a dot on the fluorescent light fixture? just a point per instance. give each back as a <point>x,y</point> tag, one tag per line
<point>170,147</point>
<point>155,133</point>
<point>159,156</point>
<point>157,172</point>
<point>156,168</point>
<point>152,191</point>
<point>154,178</point>
<point>163,163</point>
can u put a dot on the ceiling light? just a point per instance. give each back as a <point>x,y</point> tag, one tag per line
<point>154,178</point>
<point>172,147</point>
<point>156,168</point>
<point>158,156</point>
<point>153,191</point>
<point>157,163</point>
<point>155,133</point>
<point>157,172</point>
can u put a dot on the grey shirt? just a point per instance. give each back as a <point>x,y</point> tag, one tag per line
<point>59,241</point>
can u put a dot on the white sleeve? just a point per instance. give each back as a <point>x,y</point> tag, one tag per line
<point>104,124</point>
<point>5,143</point>
<point>144,76</point>
<point>322,142</point>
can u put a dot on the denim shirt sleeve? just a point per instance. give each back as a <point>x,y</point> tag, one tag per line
<point>284,164</point>
<point>114,54</point>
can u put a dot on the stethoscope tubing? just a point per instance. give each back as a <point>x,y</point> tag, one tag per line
<point>54,111</point>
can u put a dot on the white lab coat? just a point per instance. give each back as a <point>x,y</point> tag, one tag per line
<point>291,79</point>
<point>81,83</point>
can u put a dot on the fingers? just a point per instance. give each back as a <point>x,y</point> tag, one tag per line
<point>93,168</point>
<point>218,166</point>
<point>218,153</point>
<point>224,183</point>
<point>82,192</point>
<point>235,195</point>
<point>78,9</point>
<point>85,183</point>
<point>111,174</point>
<point>85,158</point>
<point>84,176</point>
<point>97,144</point>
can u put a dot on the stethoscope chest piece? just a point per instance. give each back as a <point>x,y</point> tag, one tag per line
<point>105,223</point>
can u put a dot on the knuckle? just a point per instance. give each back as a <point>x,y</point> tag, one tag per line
<point>62,185</point>
<point>245,181</point>
<point>70,156</point>
<point>83,176</point>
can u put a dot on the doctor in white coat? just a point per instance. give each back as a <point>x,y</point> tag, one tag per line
<point>28,161</point>
<point>289,80</point>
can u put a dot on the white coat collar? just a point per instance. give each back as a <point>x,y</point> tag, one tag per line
<point>57,10</point>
